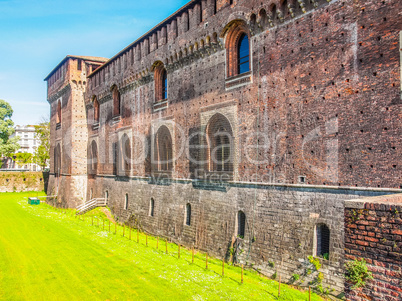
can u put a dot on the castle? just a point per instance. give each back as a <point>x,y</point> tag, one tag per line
<point>238,127</point>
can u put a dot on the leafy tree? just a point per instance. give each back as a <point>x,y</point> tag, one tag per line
<point>7,145</point>
<point>23,158</point>
<point>42,132</point>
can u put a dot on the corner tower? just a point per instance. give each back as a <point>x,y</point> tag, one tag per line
<point>66,85</point>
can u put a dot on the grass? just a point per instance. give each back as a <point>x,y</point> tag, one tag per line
<point>46,254</point>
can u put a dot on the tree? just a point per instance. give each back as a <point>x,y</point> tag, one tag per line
<point>7,145</point>
<point>23,158</point>
<point>42,132</point>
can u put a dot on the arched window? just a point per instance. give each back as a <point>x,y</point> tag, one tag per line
<point>116,101</point>
<point>161,83</point>
<point>126,202</point>
<point>58,112</point>
<point>163,155</point>
<point>220,141</point>
<point>241,224</point>
<point>188,214</point>
<point>93,156</point>
<point>96,110</point>
<point>126,154</point>
<point>57,160</point>
<point>243,54</point>
<point>237,48</point>
<point>323,236</point>
<point>151,207</point>
<point>106,196</point>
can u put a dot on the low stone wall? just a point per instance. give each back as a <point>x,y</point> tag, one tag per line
<point>22,181</point>
<point>373,231</point>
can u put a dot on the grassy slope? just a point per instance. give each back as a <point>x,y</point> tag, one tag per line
<point>48,255</point>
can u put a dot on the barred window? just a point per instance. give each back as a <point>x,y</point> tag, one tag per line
<point>220,140</point>
<point>163,150</point>
<point>188,214</point>
<point>323,239</point>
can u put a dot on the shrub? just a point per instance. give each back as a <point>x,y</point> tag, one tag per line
<point>357,273</point>
<point>295,277</point>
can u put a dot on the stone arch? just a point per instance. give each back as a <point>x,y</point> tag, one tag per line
<point>220,143</point>
<point>116,100</point>
<point>237,56</point>
<point>163,150</point>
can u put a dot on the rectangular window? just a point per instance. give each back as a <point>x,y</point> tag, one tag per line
<point>79,67</point>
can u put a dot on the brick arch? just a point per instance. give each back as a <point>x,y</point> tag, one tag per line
<point>160,80</point>
<point>163,149</point>
<point>236,31</point>
<point>116,100</point>
<point>220,141</point>
<point>96,108</point>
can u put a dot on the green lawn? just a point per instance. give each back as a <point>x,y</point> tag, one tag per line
<point>46,254</point>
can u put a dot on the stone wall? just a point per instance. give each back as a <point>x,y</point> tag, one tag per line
<point>373,231</point>
<point>280,219</point>
<point>22,181</point>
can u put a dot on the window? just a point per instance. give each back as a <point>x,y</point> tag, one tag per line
<point>215,7</point>
<point>163,155</point>
<point>241,224</point>
<point>91,194</point>
<point>151,207</point>
<point>115,157</point>
<point>243,55</point>
<point>96,110</point>
<point>58,112</point>
<point>220,138</point>
<point>126,202</point>
<point>126,152</point>
<point>161,83</point>
<point>57,161</point>
<point>106,196</point>
<point>322,244</point>
<point>79,64</point>
<point>116,101</point>
<point>237,49</point>
<point>93,158</point>
<point>188,214</point>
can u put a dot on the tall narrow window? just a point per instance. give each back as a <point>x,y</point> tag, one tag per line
<point>323,236</point>
<point>188,214</point>
<point>57,161</point>
<point>106,196</point>
<point>79,64</point>
<point>220,139</point>
<point>164,84</point>
<point>152,207</point>
<point>126,202</point>
<point>115,157</point>
<point>93,156</point>
<point>163,150</point>
<point>116,101</point>
<point>58,112</point>
<point>126,154</point>
<point>215,7</point>
<point>241,224</point>
<point>96,110</point>
<point>243,54</point>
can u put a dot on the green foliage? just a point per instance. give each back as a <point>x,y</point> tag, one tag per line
<point>271,264</point>
<point>42,132</point>
<point>7,145</point>
<point>315,262</point>
<point>357,272</point>
<point>274,275</point>
<point>325,256</point>
<point>295,277</point>
<point>23,158</point>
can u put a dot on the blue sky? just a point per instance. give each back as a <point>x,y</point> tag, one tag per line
<point>36,35</point>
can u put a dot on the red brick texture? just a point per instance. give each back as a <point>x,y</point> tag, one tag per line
<point>373,231</point>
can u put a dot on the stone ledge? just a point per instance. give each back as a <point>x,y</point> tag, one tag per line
<point>394,199</point>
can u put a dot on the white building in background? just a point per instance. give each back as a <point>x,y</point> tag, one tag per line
<point>28,143</point>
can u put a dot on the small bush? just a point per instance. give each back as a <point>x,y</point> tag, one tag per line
<point>357,272</point>
<point>315,262</point>
<point>295,277</point>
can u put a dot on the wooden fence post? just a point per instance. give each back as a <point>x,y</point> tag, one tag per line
<point>157,242</point>
<point>223,267</point>
<point>242,273</point>
<point>206,261</point>
<point>178,254</point>
<point>129,236</point>
<point>279,288</point>
<point>166,246</point>
<point>146,239</point>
